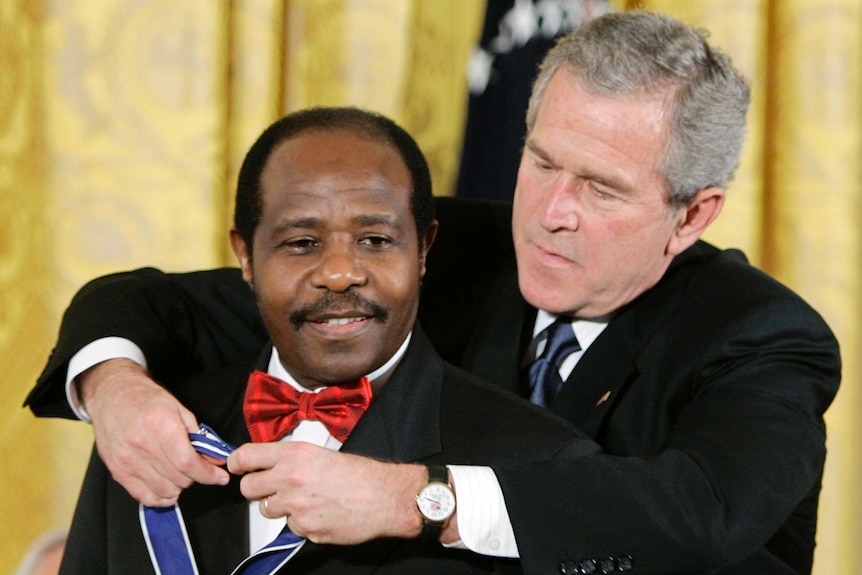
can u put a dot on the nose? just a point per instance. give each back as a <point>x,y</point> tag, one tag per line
<point>560,205</point>
<point>339,269</point>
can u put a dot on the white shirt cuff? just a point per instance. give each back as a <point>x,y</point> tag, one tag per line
<point>94,353</point>
<point>483,520</point>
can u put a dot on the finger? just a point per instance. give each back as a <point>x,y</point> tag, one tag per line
<point>143,494</point>
<point>165,449</point>
<point>268,508</point>
<point>254,457</point>
<point>180,463</point>
<point>188,419</point>
<point>211,473</point>
<point>296,526</point>
<point>256,485</point>
<point>132,468</point>
<point>162,472</point>
<point>213,460</point>
<point>146,486</point>
<point>157,478</point>
<point>165,445</point>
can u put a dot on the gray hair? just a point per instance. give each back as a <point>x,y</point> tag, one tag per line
<point>637,52</point>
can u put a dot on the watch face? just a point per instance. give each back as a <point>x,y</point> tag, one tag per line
<point>436,502</point>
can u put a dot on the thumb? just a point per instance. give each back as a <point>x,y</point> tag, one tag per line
<point>188,419</point>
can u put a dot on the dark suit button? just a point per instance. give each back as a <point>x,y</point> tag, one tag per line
<point>607,565</point>
<point>625,564</point>
<point>588,566</point>
<point>569,568</point>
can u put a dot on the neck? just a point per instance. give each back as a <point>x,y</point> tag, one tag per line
<point>378,377</point>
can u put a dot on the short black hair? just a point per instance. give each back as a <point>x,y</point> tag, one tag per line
<point>376,127</point>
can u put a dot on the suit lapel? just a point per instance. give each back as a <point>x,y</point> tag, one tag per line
<point>611,362</point>
<point>595,383</point>
<point>403,421</point>
<point>402,424</point>
<point>216,519</point>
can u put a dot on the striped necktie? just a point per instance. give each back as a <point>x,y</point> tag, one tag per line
<point>545,380</point>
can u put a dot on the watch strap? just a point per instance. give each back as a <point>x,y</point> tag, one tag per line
<point>431,530</point>
<point>438,474</point>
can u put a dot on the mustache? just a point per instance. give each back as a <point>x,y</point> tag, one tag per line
<point>332,302</point>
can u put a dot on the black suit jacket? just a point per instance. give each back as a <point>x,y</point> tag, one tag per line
<point>713,428</point>
<point>713,431</point>
<point>428,411</point>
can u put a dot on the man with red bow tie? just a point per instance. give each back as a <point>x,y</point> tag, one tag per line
<point>334,219</point>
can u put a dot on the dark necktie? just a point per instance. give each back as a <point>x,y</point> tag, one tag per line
<point>545,380</point>
<point>273,408</point>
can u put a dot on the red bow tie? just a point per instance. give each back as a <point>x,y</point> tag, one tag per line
<point>273,408</point>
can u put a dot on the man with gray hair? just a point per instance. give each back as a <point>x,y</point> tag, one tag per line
<point>704,380</point>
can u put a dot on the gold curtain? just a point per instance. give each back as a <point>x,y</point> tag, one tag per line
<point>794,206</point>
<point>123,123</point>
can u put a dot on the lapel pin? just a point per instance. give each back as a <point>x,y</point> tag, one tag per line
<point>603,398</point>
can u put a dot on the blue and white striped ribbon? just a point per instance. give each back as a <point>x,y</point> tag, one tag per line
<point>208,442</point>
<point>272,557</point>
<point>168,542</point>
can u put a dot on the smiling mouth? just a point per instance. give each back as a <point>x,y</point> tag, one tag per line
<point>339,310</point>
<point>341,326</point>
<point>340,321</point>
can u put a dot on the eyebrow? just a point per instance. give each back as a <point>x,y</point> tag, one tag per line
<point>362,220</point>
<point>302,223</point>
<point>538,150</point>
<point>376,220</point>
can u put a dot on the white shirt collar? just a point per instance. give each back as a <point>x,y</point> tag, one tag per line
<point>276,368</point>
<point>586,330</point>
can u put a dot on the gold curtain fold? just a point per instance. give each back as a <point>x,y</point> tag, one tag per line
<point>813,175</point>
<point>123,124</point>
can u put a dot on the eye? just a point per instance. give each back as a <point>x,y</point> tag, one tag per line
<point>376,241</point>
<point>543,165</point>
<point>601,193</point>
<point>299,245</point>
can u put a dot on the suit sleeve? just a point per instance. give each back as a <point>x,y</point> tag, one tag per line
<point>737,473</point>
<point>184,324</point>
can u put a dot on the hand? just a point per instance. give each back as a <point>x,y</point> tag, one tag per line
<point>331,497</point>
<point>142,432</point>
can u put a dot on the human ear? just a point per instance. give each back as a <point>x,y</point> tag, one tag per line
<point>701,211</point>
<point>430,235</point>
<point>240,249</point>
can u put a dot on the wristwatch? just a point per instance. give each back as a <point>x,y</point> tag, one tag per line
<point>436,503</point>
